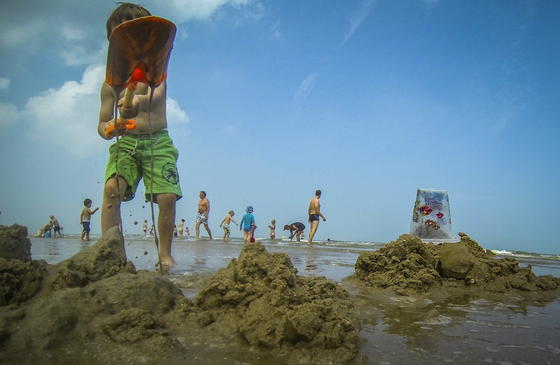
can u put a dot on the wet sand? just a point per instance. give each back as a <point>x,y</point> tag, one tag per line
<point>451,326</point>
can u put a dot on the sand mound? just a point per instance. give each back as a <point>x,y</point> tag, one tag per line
<point>95,308</point>
<point>14,243</point>
<point>104,259</point>
<point>84,309</point>
<point>408,264</point>
<point>259,295</point>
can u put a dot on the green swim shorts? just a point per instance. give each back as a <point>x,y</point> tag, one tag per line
<point>135,164</point>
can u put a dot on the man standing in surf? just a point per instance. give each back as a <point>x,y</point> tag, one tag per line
<point>134,155</point>
<point>202,215</point>
<point>314,212</point>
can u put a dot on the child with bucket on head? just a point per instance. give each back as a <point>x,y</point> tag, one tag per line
<point>146,152</point>
<point>225,224</point>
<point>248,225</point>
<point>85,218</point>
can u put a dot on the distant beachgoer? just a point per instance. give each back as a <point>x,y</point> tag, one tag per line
<point>145,227</point>
<point>55,225</point>
<point>314,211</point>
<point>225,224</point>
<point>152,230</point>
<point>42,231</point>
<point>296,229</point>
<point>181,227</point>
<point>247,224</point>
<point>174,230</point>
<point>202,215</point>
<point>272,228</point>
<point>85,218</point>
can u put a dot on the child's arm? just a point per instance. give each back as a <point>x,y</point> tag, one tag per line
<point>233,221</point>
<point>106,110</point>
<point>92,212</point>
<point>223,220</point>
<point>241,223</point>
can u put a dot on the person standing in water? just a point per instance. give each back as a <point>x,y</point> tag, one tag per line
<point>225,224</point>
<point>134,157</point>
<point>272,228</point>
<point>314,212</point>
<point>181,227</point>
<point>85,218</point>
<point>56,226</point>
<point>248,224</point>
<point>202,215</point>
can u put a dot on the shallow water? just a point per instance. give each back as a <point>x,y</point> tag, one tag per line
<point>458,326</point>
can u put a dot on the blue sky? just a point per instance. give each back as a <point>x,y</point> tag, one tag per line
<point>269,100</point>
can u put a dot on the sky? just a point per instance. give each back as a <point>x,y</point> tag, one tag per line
<point>268,101</point>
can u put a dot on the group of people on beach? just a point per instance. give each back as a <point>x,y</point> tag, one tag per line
<point>50,229</point>
<point>249,226</point>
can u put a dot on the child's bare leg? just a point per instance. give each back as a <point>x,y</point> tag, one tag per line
<point>166,203</point>
<point>197,229</point>
<point>111,208</point>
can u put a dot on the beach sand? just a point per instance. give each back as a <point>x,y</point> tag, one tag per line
<point>459,325</point>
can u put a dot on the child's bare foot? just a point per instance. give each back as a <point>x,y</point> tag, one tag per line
<point>168,261</point>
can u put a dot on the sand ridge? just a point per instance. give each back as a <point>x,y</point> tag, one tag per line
<point>409,265</point>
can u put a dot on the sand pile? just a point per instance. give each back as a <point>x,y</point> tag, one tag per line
<point>259,295</point>
<point>408,264</point>
<point>95,308</point>
<point>92,308</point>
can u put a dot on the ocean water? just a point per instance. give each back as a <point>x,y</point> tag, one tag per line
<point>442,327</point>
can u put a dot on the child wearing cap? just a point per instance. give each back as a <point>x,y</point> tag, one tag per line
<point>247,224</point>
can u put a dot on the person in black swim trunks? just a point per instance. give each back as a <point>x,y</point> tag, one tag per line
<point>296,229</point>
<point>314,212</point>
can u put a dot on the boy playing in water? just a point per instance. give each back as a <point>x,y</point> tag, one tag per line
<point>225,224</point>
<point>85,218</point>
<point>134,155</point>
<point>247,224</point>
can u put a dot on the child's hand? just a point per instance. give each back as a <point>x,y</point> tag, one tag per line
<point>129,111</point>
<point>123,126</point>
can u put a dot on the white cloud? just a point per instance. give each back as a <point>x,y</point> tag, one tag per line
<point>68,116</point>
<point>14,34</point>
<point>77,55</point>
<point>72,32</point>
<point>305,88</point>
<point>8,114</point>
<point>361,14</point>
<point>229,129</point>
<point>4,83</point>
<point>275,30</point>
<point>175,115</point>
<point>185,10</point>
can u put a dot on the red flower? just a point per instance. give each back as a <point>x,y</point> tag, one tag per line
<point>426,210</point>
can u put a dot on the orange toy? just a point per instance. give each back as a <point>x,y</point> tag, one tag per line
<point>139,51</point>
